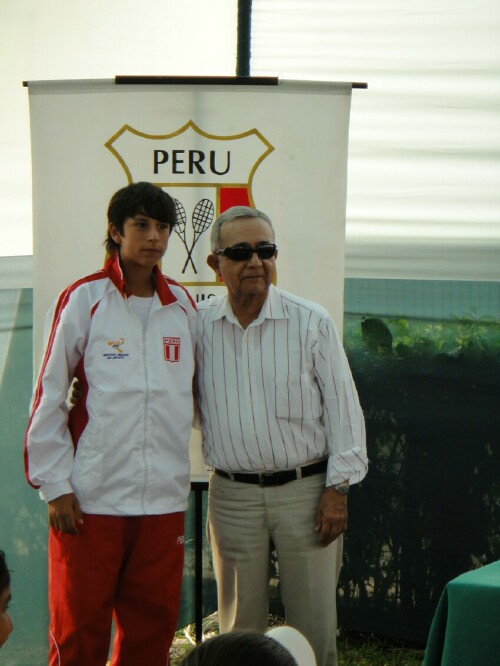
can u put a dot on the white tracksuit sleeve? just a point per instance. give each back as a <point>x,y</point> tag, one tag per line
<point>49,449</point>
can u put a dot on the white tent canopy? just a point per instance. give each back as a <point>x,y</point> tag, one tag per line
<point>423,197</point>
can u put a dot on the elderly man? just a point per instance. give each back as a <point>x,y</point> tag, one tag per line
<point>283,432</point>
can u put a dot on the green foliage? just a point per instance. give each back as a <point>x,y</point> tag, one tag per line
<point>475,339</point>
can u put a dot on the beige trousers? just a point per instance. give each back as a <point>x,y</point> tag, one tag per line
<point>244,521</point>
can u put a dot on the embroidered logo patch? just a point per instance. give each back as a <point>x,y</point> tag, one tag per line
<point>172,349</point>
<point>118,351</point>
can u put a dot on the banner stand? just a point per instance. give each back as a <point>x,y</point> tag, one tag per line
<point>211,143</point>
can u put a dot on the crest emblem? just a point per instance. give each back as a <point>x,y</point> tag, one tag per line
<point>205,174</point>
<point>172,349</point>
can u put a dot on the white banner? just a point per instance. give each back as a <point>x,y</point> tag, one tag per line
<point>282,149</point>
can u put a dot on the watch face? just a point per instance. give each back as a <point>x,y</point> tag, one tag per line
<point>342,488</point>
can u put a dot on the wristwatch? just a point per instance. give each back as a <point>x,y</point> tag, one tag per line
<point>342,488</point>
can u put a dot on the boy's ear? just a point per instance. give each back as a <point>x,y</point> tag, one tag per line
<point>114,233</point>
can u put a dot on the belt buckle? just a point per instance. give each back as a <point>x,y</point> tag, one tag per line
<point>262,476</point>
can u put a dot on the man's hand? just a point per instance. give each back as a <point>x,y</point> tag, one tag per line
<point>76,392</point>
<point>65,514</point>
<point>331,516</point>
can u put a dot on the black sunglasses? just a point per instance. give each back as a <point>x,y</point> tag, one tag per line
<point>245,253</point>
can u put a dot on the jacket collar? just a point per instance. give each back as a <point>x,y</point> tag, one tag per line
<point>114,271</point>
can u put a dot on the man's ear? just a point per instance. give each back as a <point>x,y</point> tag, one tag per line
<point>213,262</point>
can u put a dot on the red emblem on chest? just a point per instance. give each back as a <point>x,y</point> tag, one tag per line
<point>172,349</point>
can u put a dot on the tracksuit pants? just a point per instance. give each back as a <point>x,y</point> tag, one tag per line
<point>126,567</point>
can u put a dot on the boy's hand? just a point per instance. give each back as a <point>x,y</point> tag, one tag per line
<point>65,514</point>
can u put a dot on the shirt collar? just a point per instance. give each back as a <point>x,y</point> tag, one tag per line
<point>273,308</point>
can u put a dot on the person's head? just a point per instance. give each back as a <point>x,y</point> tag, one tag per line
<point>235,235</point>
<point>6,625</point>
<point>241,648</point>
<point>144,199</point>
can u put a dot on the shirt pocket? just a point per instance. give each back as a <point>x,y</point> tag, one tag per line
<point>298,398</point>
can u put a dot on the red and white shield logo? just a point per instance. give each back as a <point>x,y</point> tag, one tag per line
<point>172,349</point>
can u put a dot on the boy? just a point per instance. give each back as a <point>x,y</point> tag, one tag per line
<point>115,471</point>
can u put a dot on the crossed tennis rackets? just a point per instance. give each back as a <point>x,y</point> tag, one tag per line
<point>201,219</point>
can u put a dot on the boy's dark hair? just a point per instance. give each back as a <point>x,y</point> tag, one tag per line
<point>242,648</point>
<point>4,573</point>
<point>139,198</point>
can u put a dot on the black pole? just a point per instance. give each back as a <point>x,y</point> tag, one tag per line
<point>244,37</point>
<point>198,560</point>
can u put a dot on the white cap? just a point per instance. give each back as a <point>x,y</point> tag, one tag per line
<point>297,644</point>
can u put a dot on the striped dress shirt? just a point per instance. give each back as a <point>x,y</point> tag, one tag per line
<point>278,394</point>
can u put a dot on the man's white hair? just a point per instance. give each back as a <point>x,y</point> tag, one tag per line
<point>233,214</point>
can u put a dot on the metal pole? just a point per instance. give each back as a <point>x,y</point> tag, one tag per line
<point>198,559</point>
<point>244,37</point>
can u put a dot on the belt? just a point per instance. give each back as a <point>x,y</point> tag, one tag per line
<point>264,479</point>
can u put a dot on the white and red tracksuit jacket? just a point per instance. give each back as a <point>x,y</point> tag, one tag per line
<point>124,448</point>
